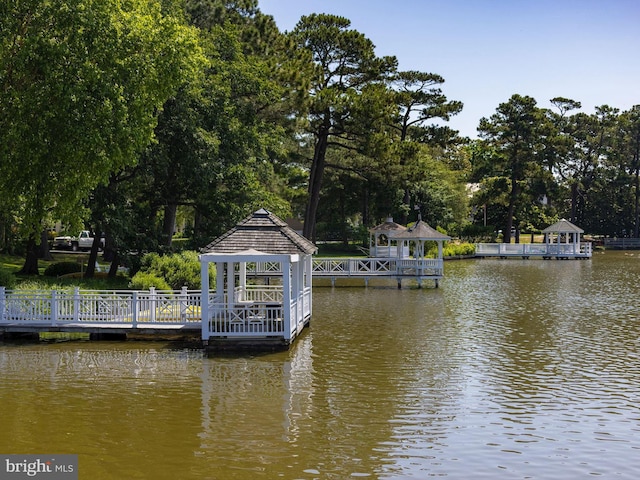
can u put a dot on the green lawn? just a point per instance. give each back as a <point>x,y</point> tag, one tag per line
<point>526,238</point>
<point>11,263</point>
<point>14,263</point>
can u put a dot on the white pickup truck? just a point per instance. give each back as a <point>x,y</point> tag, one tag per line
<point>84,241</point>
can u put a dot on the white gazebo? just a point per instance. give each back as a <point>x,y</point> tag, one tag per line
<point>382,240</point>
<point>563,238</point>
<point>269,309</point>
<point>417,235</point>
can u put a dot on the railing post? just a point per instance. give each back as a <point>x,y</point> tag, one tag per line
<point>76,304</point>
<point>54,308</point>
<point>152,304</point>
<point>134,309</point>
<point>183,304</point>
<point>3,304</point>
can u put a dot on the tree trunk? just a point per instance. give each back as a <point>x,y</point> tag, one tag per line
<point>315,185</point>
<point>3,232</point>
<point>93,257</point>
<point>506,237</point>
<point>30,266</point>
<point>197,223</point>
<point>113,269</point>
<point>365,213</point>
<point>44,253</point>
<point>406,200</point>
<point>169,223</point>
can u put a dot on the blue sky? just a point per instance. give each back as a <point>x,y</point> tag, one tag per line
<point>488,50</point>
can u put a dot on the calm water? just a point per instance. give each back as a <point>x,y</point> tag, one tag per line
<point>511,369</point>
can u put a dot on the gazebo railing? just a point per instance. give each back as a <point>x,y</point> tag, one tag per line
<point>259,293</point>
<point>260,312</point>
<point>384,251</point>
<point>245,320</point>
<point>422,267</point>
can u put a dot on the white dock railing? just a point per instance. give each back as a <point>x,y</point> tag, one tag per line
<point>254,310</point>
<point>534,249</point>
<point>94,307</point>
<point>362,267</point>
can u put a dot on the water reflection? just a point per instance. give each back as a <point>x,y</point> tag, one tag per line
<point>512,369</point>
<point>253,406</point>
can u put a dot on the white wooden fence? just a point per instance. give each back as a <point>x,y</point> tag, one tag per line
<point>564,250</point>
<point>363,267</point>
<point>251,311</point>
<point>94,307</point>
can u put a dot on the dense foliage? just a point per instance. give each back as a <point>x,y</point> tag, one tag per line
<point>144,119</point>
<point>168,272</point>
<point>7,279</point>
<point>81,84</point>
<point>535,165</point>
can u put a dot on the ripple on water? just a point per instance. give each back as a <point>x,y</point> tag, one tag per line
<point>511,369</point>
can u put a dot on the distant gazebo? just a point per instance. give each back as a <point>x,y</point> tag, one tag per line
<point>562,240</point>
<point>382,240</point>
<point>238,313</point>
<point>563,237</point>
<point>418,235</point>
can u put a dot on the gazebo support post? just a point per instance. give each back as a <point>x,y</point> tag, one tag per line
<point>231,285</point>
<point>286,300</point>
<point>204,300</point>
<point>242,281</point>
<point>220,282</point>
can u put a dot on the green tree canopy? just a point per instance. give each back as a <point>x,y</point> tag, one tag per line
<point>81,84</point>
<point>515,133</point>
<point>345,63</point>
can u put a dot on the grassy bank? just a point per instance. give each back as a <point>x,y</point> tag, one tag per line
<point>13,264</point>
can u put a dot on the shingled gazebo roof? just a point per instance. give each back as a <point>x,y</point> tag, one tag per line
<point>389,227</point>
<point>422,231</point>
<point>563,226</point>
<point>262,232</point>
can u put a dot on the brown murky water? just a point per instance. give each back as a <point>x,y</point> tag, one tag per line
<point>511,369</point>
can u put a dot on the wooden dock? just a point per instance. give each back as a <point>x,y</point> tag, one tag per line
<point>545,251</point>
<point>252,315</point>
<point>622,243</point>
<point>365,269</point>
